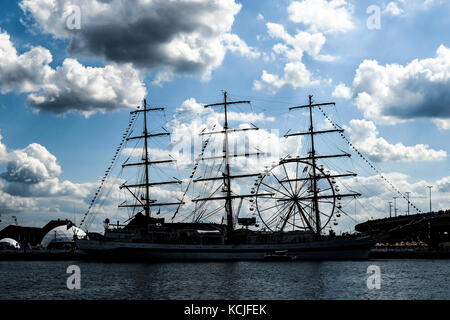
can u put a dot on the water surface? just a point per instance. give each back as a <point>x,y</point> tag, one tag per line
<point>400,279</point>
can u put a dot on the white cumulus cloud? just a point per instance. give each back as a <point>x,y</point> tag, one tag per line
<point>332,16</point>
<point>31,165</point>
<point>364,135</point>
<point>25,72</point>
<point>292,49</point>
<point>442,124</point>
<point>393,9</point>
<point>405,7</point>
<point>74,87</point>
<point>69,87</point>
<point>342,91</point>
<point>396,93</point>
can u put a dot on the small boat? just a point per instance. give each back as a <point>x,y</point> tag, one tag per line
<point>281,255</point>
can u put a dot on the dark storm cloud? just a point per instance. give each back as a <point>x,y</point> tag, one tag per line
<point>433,100</point>
<point>183,36</point>
<point>141,41</point>
<point>69,102</point>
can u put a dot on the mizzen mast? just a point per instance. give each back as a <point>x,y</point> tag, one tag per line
<point>313,157</point>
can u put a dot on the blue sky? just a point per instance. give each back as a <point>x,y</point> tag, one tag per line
<point>396,104</point>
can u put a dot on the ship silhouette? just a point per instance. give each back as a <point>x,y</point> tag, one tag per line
<point>292,202</point>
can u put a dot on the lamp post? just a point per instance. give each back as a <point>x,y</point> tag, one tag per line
<point>408,193</point>
<point>390,209</point>
<point>395,205</point>
<point>429,187</point>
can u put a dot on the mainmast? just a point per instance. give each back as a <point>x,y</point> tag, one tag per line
<point>312,158</point>
<point>227,177</point>
<point>146,202</point>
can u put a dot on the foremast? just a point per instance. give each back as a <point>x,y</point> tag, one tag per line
<point>145,202</point>
<point>313,157</point>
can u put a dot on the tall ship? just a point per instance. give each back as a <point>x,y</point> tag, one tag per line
<point>292,203</point>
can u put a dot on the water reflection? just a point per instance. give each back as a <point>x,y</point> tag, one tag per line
<point>401,279</point>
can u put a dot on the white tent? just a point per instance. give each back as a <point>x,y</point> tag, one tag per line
<point>62,235</point>
<point>10,242</point>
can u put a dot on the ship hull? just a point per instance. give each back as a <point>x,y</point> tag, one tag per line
<point>342,249</point>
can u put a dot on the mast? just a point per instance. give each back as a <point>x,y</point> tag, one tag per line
<point>227,176</point>
<point>147,190</point>
<point>227,179</point>
<point>146,203</point>
<point>312,158</point>
<point>314,177</point>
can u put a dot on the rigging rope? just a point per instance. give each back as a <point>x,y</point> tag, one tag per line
<point>367,161</point>
<point>196,163</point>
<point>108,170</point>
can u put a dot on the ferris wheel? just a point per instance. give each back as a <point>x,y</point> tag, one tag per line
<point>293,203</point>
